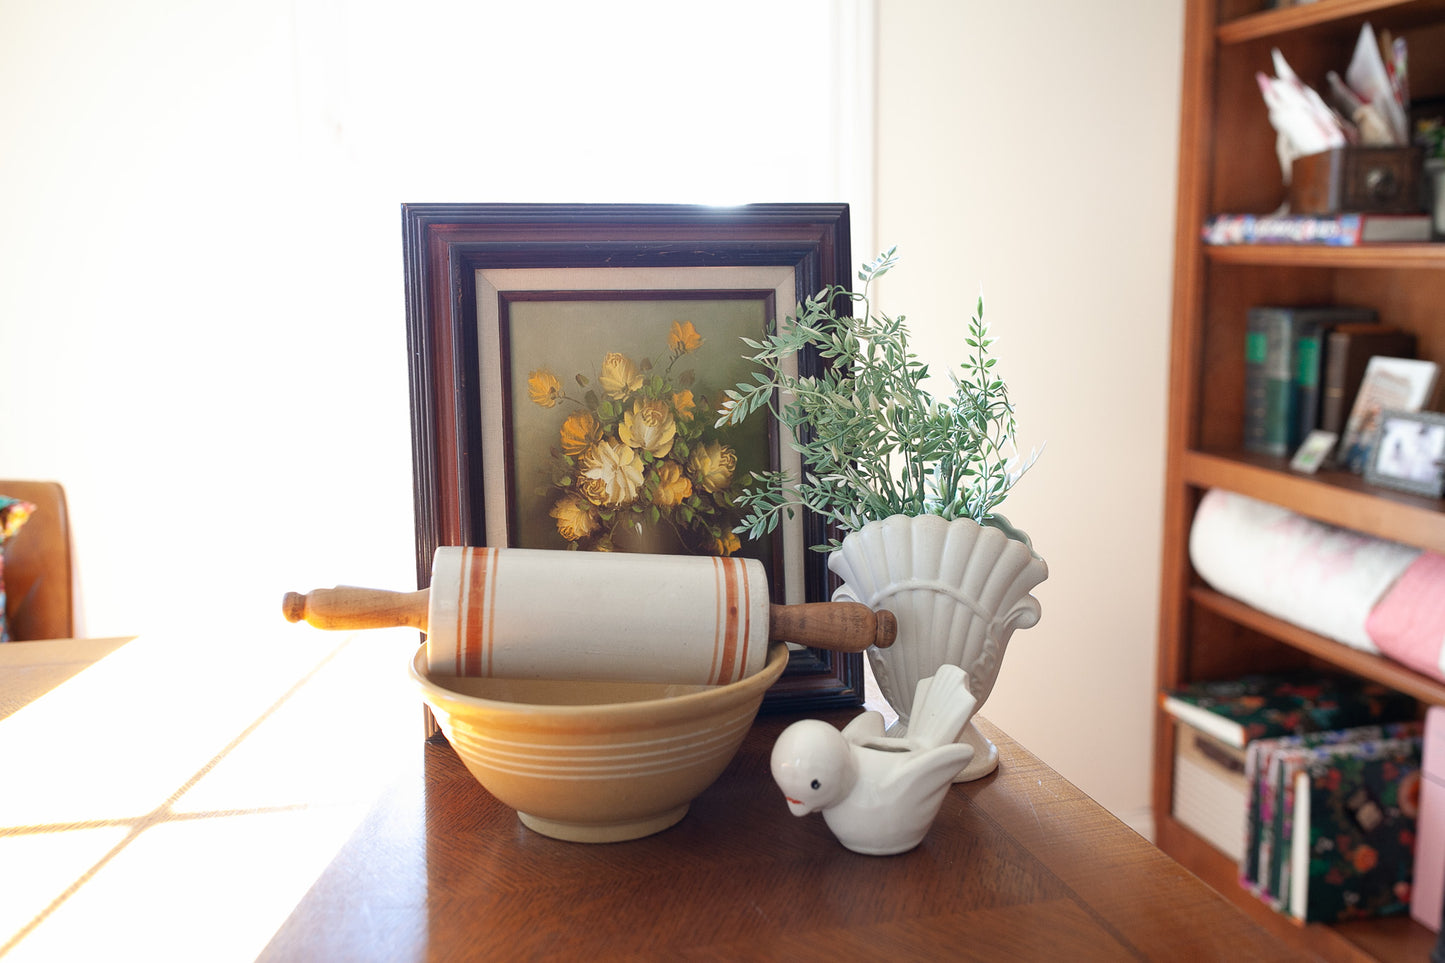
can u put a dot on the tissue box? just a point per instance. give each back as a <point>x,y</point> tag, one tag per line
<point>1210,791</point>
<point>1365,179</point>
<point>1427,893</point>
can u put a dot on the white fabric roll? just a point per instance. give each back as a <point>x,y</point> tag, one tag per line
<point>1321,578</point>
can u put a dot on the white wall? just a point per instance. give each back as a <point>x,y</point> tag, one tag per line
<point>1027,150</point>
<point>201,294</point>
<point>201,298</point>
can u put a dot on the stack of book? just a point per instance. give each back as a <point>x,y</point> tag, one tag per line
<point>1303,369</point>
<point>1220,758</point>
<point>1331,822</point>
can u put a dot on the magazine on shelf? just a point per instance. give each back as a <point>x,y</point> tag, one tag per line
<point>1336,230</point>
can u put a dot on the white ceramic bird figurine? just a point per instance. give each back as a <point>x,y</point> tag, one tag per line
<point>879,794</point>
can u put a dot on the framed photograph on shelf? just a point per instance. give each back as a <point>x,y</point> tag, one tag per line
<point>1389,384</point>
<point>567,362</point>
<point>1313,451</point>
<point>1409,452</point>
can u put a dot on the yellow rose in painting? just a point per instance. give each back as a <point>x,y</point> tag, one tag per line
<point>630,452</point>
<point>683,338</point>
<point>544,388</point>
<point>672,485</point>
<point>611,474</point>
<point>712,465</point>
<point>649,426</point>
<point>580,432</point>
<point>575,518</point>
<point>619,377</point>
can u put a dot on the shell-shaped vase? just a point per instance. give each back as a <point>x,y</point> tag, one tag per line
<point>959,591</point>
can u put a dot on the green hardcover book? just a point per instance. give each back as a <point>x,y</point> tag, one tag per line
<point>1267,379</point>
<point>1281,397</point>
<point>1312,329</point>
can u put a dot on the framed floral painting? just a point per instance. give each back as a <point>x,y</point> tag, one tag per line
<point>567,362</point>
<point>612,439</point>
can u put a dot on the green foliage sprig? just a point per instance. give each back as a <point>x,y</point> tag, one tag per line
<point>874,442</point>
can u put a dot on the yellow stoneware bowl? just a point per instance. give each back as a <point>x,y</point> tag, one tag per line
<point>595,762</point>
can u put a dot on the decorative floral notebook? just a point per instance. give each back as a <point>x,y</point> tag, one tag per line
<point>1237,711</point>
<point>1352,846</point>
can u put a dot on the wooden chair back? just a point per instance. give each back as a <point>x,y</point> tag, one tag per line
<point>39,583</point>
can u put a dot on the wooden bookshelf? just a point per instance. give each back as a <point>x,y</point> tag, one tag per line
<point>1228,164</point>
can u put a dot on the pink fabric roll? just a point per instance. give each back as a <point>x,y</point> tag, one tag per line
<point>1408,624</point>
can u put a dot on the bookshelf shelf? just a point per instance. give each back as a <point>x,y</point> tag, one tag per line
<point>1227,164</point>
<point>1402,256</point>
<point>1349,14</point>
<point>1394,938</point>
<point>1336,498</point>
<point>1340,656</point>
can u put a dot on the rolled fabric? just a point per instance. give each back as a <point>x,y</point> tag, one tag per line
<point>1320,577</point>
<point>1409,623</point>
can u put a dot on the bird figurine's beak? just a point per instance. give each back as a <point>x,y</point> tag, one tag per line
<point>797,807</point>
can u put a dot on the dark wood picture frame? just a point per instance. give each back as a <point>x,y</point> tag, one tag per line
<point>445,246</point>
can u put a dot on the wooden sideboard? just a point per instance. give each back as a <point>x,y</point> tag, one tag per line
<point>278,823</point>
<point>1019,865</point>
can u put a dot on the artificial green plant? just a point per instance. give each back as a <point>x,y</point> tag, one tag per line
<point>874,441</point>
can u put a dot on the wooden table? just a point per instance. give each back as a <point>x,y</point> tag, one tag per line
<point>243,808</point>
<point>28,670</point>
<point>1019,866</point>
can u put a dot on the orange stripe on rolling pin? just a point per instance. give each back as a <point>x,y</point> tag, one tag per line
<point>747,626</point>
<point>459,638</point>
<point>473,610</point>
<point>730,625</point>
<point>717,623</point>
<point>489,630</point>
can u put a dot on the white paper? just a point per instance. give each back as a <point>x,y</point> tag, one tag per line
<point>1370,80</point>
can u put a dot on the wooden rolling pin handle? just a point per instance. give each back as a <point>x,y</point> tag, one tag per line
<point>840,626</point>
<point>345,607</point>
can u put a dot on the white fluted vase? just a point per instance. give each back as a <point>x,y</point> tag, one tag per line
<point>958,589</point>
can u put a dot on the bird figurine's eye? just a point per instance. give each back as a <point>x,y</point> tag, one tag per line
<point>816,784</point>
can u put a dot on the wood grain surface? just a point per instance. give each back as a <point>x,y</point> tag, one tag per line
<point>1018,866</point>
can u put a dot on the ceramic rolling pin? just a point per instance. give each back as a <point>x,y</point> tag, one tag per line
<point>527,613</point>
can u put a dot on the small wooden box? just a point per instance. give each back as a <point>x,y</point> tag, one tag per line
<point>1370,179</point>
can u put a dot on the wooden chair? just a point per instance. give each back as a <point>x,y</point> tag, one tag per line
<point>39,589</point>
